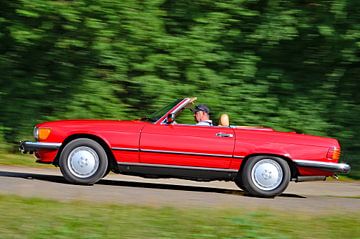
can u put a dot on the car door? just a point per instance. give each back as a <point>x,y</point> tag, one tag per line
<point>187,145</point>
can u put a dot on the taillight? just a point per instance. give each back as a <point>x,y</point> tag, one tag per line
<point>333,153</point>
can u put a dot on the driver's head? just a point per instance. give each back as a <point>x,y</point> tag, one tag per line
<point>201,113</point>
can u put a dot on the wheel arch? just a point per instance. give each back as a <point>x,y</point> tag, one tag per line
<point>292,166</point>
<point>102,142</point>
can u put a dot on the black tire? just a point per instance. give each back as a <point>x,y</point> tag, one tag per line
<point>238,181</point>
<point>83,161</point>
<point>107,172</point>
<point>265,176</point>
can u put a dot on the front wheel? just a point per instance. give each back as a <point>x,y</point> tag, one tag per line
<point>265,176</point>
<point>83,161</point>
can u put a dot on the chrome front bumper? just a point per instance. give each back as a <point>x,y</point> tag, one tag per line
<point>30,147</point>
<point>331,167</point>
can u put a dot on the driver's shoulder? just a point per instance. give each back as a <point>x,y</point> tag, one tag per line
<point>205,123</point>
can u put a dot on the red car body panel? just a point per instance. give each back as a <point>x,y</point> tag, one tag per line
<point>289,145</point>
<point>114,133</point>
<point>188,141</point>
<point>215,147</point>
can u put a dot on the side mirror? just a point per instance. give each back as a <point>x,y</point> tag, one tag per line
<point>170,118</point>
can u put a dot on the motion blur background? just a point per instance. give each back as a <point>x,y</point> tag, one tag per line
<point>290,65</point>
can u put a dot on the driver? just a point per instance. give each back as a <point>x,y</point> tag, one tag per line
<point>201,115</point>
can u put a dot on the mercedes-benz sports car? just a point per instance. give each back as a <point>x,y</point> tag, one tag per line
<point>261,161</point>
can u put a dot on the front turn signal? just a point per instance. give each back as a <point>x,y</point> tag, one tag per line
<point>43,133</point>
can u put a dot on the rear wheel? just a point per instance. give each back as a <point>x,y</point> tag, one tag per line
<point>265,176</point>
<point>83,161</point>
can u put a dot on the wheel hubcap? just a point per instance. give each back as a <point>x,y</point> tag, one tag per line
<point>267,174</point>
<point>83,162</point>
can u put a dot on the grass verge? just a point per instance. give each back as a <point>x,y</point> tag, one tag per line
<point>19,159</point>
<point>37,218</point>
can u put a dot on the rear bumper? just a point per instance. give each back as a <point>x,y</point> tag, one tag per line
<point>30,147</point>
<point>330,167</point>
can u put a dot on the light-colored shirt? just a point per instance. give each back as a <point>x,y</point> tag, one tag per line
<point>205,123</point>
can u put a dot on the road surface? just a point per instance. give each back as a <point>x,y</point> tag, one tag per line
<point>314,197</point>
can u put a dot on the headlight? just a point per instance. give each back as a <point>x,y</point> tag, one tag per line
<point>41,133</point>
<point>36,133</point>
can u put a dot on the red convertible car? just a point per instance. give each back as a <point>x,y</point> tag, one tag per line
<point>261,161</point>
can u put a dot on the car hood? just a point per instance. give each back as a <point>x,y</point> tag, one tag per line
<point>91,126</point>
<point>86,122</point>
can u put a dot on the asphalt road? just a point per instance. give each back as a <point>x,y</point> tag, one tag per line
<point>313,197</point>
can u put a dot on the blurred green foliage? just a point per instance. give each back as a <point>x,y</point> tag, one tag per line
<point>291,65</point>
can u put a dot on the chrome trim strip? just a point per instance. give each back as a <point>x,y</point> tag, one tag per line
<point>176,152</point>
<point>177,166</point>
<point>185,153</point>
<point>239,157</point>
<point>332,167</point>
<point>125,149</point>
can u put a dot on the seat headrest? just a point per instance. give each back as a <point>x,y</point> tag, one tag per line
<point>224,120</point>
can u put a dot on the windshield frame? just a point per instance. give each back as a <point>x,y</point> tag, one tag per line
<point>157,115</point>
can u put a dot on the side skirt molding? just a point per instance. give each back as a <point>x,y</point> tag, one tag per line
<point>173,171</point>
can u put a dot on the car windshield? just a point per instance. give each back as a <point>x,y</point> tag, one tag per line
<point>158,114</point>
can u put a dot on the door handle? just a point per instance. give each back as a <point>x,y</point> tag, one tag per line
<point>224,135</point>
